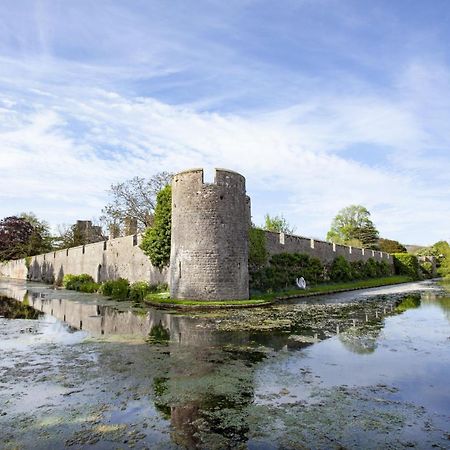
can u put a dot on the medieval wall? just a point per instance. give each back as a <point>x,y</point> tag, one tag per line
<point>325,251</point>
<point>106,260</point>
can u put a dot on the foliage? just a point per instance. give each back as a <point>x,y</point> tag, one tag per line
<point>74,282</point>
<point>135,199</point>
<point>426,267</point>
<point>139,290</point>
<point>284,268</point>
<point>156,240</point>
<point>257,253</point>
<point>441,251</point>
<point>89,287</point>
<point>15,236</point>
<point>278,224</point>
<point>340,269</point>
<point>117,289</point>
<point>41,240</point>
<point>353,223</point>
<point>390,246</point>
<point>406,264</point>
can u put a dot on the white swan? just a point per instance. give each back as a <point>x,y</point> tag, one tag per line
<point>301,282</point>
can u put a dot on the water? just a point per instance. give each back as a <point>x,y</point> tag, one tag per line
<point>368,369</point>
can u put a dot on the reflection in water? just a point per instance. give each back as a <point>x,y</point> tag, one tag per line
<point>202,380</point>
<point>11,309</point>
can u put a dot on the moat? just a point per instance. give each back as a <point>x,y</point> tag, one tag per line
<point>366,369</point>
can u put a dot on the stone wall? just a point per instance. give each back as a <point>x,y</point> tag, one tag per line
<point>209,250</point>
<point>325,251</point>
<point>106,260</point>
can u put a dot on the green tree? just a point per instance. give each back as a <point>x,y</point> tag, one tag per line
<point>390,246</point>
<point>41,240</point>
<point>352,226</point>
<point>278,224</point>
<point>156,241</point>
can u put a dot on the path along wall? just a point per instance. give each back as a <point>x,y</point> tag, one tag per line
<point>325,251</point>
<point>105,260</point>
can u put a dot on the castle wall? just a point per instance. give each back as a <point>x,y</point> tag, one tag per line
<point>325,251</point>
<point>106,260</point>
<point>209,249</point>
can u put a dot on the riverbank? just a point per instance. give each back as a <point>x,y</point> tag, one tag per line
<point>257,300</point>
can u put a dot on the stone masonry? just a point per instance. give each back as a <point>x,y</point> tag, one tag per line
<point>209,249</point>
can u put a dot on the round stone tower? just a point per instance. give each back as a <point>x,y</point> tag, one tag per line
<point>209,249</point>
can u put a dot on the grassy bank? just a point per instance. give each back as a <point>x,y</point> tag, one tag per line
<point>331,288</point>
<point>162,299</point>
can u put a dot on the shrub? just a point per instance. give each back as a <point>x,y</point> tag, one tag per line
<point>74,282</point>
<point>385,269</point>
<point>139,290</point>
<point>340,269</point>
<point>89,287</point>
<point>357,270</point>
<point>117,289</point>
<point>283,270</point>
<point>370,268</point>
<point>406,264</point>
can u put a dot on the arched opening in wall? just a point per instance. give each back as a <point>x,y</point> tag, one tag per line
<point>104,245</point>
<point>99,273</point>
<point>134,240</point>
<point>83,249</point>
<point>67,252</point>
<point>179,269</point>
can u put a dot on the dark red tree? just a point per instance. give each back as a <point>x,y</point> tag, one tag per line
<point>15,235</point>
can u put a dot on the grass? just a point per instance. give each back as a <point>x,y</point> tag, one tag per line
<point>163,298</point>
<point>336,287</point>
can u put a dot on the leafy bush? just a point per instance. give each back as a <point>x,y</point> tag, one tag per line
<point>426,268</point>
<point>117,289</point>
<point>371,269</point>
<point>340,269</point>
<point>74,282</point>
<point>406,264</point>
<point>138,291</point>
<point>156,241</point>
<point>283,270</point>
<point>89,287</point>
<point>385,269</point>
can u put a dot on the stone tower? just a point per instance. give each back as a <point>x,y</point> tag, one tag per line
<point>209,249</point>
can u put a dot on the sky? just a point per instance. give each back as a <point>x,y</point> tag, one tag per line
<point>320,104</point>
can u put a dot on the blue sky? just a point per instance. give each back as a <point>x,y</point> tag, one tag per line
<point>318,103</point>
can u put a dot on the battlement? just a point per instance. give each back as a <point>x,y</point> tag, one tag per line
<point>194,179</point>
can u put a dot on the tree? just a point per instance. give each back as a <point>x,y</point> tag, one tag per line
<point>156,241</point>
<point>352,225</point>
<point>135,199</point>
<point>278,224</point>
<point>15,235</point>
<point>390,246</point>
<point>41,240</point>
